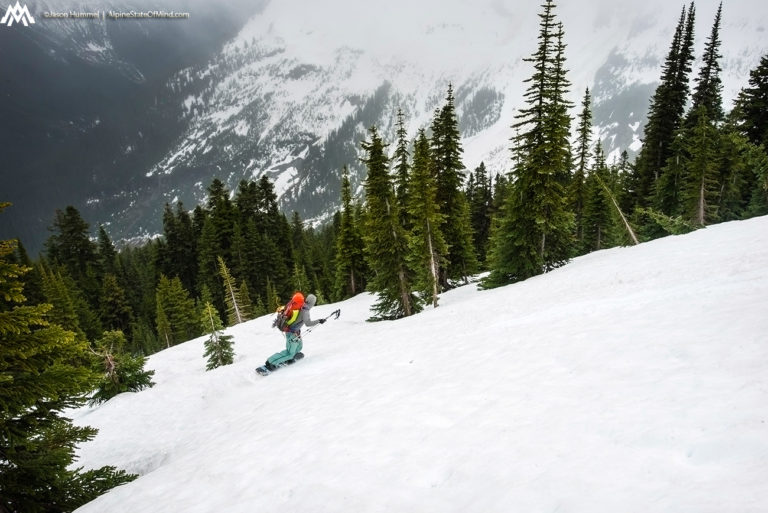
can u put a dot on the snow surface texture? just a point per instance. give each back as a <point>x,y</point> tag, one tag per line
<point>632,380</point>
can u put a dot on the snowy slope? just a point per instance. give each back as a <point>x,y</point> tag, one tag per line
<point>633,380</point>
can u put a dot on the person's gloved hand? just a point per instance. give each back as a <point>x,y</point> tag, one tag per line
<point>321,321</point>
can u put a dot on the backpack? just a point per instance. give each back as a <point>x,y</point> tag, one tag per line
<point>287,315</point>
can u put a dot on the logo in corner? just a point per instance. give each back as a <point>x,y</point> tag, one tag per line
<point>18,14</point>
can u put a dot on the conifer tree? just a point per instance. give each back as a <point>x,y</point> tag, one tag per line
<point>235,313</point>
<point>350,261</point>
<point>461,260</point>
<point>402,169</point>
<point>121,371</point>
<point>385,239</point>
<point>427,247</point>
<point>218,347</point>
<point>751,109</point>
<point>174,303</point>
<point>480,199</point>
<point>273,300</point>
<point>246,305</point>
<point>700,175</point>
<point>666,110</point>
<point>164,331</point>
<point>533,234</point>
<point>577,188</point>
<point>107,254</point>
<point>597,208</point>
<point>709,86</point>
<point>116,313</point>
<point>44,374</point>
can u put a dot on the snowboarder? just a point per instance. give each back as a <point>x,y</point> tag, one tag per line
<point>293,342</point>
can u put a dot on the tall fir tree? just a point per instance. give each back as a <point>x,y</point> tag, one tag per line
<point>427,246</point>
<point>597,208</point>
<point>709,85</point>
<point>402,169</point>
<point>480,199</point>
<point>577,187</point>
<point>448,169</point>
<point>751,107</point>
<point>666,110</point>
<point>386,244</point>
<point>350,260</point>
<point>700,175</point>
<point>44,374</point>
<point>176,317</point>
<point>533,234</point>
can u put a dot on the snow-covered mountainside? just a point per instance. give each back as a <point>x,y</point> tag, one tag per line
<point>632,379</point>
<point>292,96</point>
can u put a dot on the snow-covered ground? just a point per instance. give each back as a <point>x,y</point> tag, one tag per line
<point>630,380</point>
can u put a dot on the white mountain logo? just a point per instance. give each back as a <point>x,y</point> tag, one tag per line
<point>18,14</point>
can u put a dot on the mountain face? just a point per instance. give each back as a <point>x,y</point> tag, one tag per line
<point>292,96</point>
<point>86,107</point>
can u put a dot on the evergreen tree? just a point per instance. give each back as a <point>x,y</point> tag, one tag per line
<point>218,347</point>
<point>121,371</point>
<point>533,234</point>
<point>700,178</point>
<point>427,247</point>
<point>116,313</point>
<point>70,246</point>
<point>577,188</point>
<point>461,261</point>
<point>235,312</point>
<point>480,199</point>
<point>178,255</point>
<point>402,169</point>
<point>178,309</point>
<point>350,262</point>
<point>597,208</point>
<point>385,239</point>
<point>666,110</point>
<point>709,86</point>
<point>273,300</point>
<point>43,374</point>
<point>751,109</point>
<point>107,254</point>
<point>246,305</point>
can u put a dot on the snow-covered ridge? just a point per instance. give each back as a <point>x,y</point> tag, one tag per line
<point>632,379</point>
<point>287,83</point>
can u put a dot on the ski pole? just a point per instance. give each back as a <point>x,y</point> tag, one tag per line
<point>335,314</point>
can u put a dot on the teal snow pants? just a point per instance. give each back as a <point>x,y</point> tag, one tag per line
<point>293,345</point>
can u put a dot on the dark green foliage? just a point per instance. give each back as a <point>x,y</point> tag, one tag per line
<point>218,347</point>
<point>751,110</point>
<point>115,312</point>
<point>709,86</point>
<point>121,371</point>
<point>597,212</point>
<point>534,231</point>
<point>448,170</point>
<point>427,246</point>
<point>577,189</point>
<point>700,187</point>
<point>43,372</point>
<point>350,261</point>
<point>666,110</point>
<point>386,244</point>
<point>480,199</point>
<point>176,318</point>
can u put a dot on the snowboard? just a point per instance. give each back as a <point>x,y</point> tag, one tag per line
<point>266,372</point>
